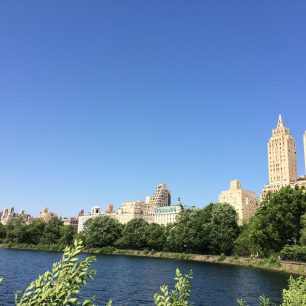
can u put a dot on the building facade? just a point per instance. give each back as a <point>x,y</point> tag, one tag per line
<point>168,214</point>
<point>161,197</point>
<point>94,213</point>
<point>245,202</point>
<point>131,210</point>
<point>282,163</point>
<point>139,209</point>
<point>9,213</point>
<point>46,215</point>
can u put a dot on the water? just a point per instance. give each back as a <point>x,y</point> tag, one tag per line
<point>134,280</point>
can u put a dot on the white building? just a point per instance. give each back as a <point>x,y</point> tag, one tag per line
<point>94,212</point>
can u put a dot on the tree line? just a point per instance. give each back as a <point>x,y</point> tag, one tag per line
<point>278,227</point>
<point>37,232</point>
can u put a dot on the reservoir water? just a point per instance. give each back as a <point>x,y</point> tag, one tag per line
<point>132,281</point>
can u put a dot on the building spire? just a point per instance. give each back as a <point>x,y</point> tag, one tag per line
<point>280,121</point>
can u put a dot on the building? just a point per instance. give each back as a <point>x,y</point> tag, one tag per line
<point>168,214</point>
<point>131,210</point>
<point>94,212</point>
<point>139,209</point>
<point>9,213</point>
<point>282,164</point>
<point>46,215</point>
<point>145,209</point>
<point>74,222</point>
<point>161,197</point>
<point>245,202</point>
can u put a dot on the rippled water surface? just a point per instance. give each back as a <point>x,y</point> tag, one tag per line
<point>133,280</point>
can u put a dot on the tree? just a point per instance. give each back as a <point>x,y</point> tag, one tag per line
<point>101,231</point>
<point>53,231</point>
<point>156,235</point>
<point>16,231</point>
<point>2,232</point>
<point>67,235</point>
<point>34,231</point>
<point>190,233</point>
<point>135,234</point>
<point>303,230</point>
<point>223,229</point>
<point>278,221</point>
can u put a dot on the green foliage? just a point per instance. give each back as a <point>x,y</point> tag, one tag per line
<point>303,230</point>
<point>177,297</point>
<point>2,232</point>
<point>222,257</point>
<point>36,233</point>
<point>263,301</point>
<point>67,235</point>
<point>295,295</point>
<point>62,285</point>
<point>190,233</point>
<point>16,231</point>
<point>53,231</point>
<point>101,232</point>
<point>135,234</point>
<point>241,302</point>
<point>271,262</point>
<point>223,229</point>
<point>212,229</point>
<point>277,223</point>
<point>294,252</point>
<point>156,236</point>
<point>35,230</point>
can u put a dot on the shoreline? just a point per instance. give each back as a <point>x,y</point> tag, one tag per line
<point>298,268</point>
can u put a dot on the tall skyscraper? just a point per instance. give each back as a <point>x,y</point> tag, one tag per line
<point>282,156</point>
<point>282,164</point>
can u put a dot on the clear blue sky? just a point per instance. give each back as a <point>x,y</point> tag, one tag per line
<point>102,100</point>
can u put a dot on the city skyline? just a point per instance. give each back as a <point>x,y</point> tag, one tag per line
<point>147,198</point>
<point>101,106</point>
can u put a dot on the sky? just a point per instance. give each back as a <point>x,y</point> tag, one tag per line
<point>100,101</point>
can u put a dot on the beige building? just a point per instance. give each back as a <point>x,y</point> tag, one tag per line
<point>245,202</point>
<point>282,164</point>
<point>145,210</point>
<point>131,210</point>
<point>46,215</point>
<point>9,213</point>
<point>136,209</point>
<point>161,197</point>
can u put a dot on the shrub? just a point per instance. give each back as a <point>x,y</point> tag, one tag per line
<point>62,285</point>
<point>221,257</point>
<point>295,295</point>
<point>177,297</point>
<point>294,252</point>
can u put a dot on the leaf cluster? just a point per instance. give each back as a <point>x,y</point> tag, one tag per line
<point>177,297</point>
<point>62,284</point>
